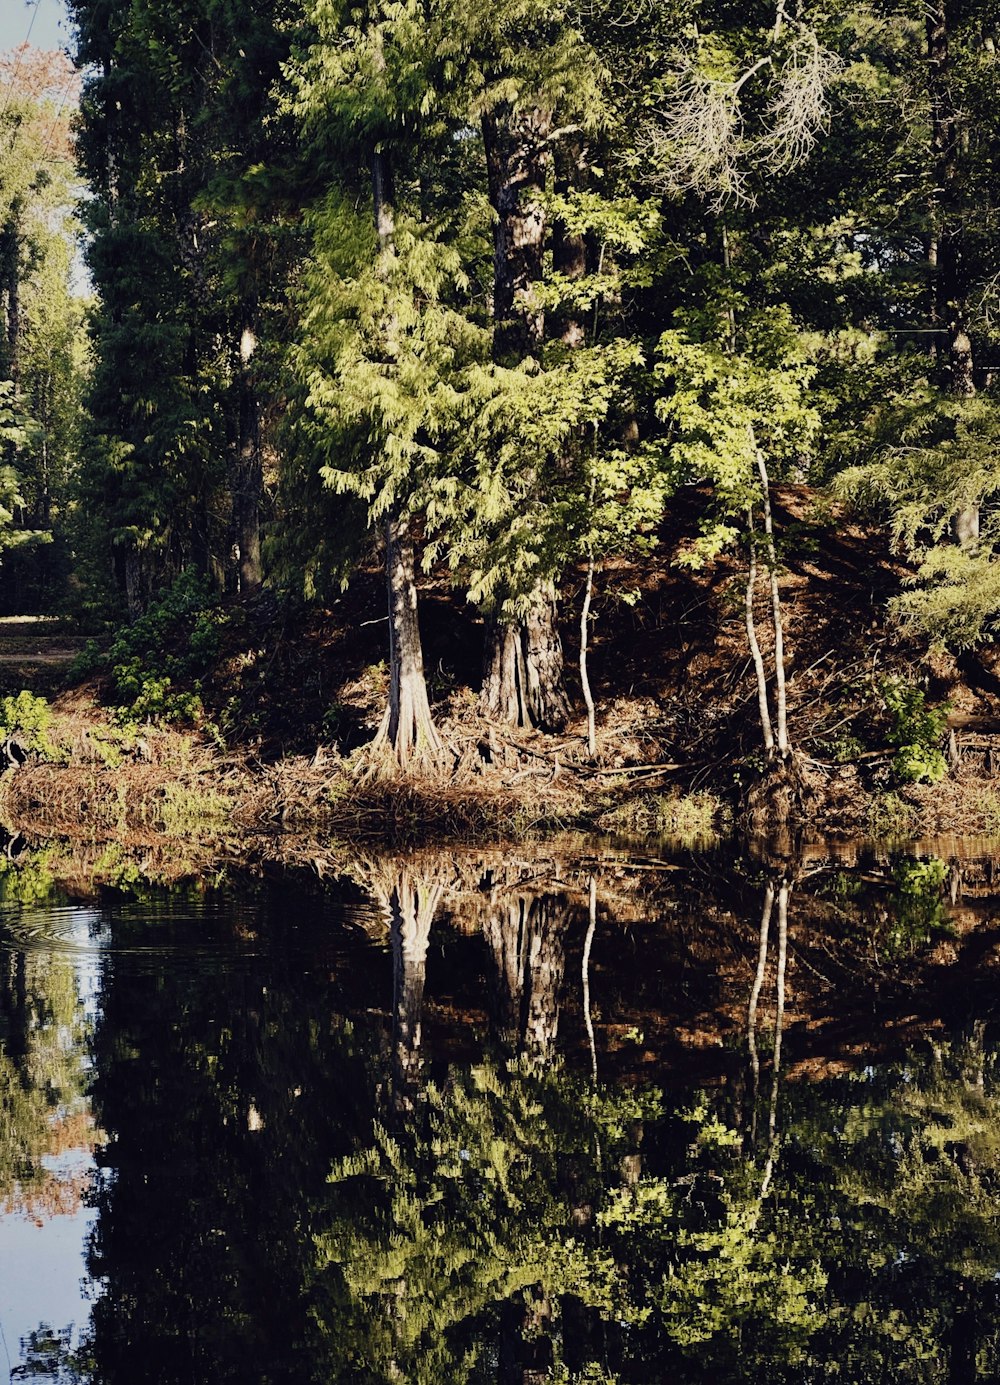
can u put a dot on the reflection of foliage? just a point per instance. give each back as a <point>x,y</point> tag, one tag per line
<point>28,879</point>
<point>709,1266</point>
<point>42,1074</point>
<point>47,1354</point>
<point>469,1206</point>
<point>917,906</point>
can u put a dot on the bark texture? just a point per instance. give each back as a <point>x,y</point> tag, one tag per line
<point>523,683</point>
<point>407,727</point>
<point>523,678</point>
<point>950,289</point>
<point>517,162</point>
<point>527,936</point>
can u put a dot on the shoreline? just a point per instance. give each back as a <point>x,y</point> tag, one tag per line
<point>175,784</point>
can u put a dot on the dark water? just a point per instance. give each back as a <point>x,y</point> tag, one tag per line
<point>589,1117</point>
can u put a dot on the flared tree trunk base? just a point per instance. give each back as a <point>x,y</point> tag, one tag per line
<point>523,680</point>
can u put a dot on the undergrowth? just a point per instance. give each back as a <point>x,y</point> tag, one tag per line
<point>686,817</point>
<point>158,664</point>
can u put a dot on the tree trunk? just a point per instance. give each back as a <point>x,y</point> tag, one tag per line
<point>946,234</point>
<point>588,695</point>
<point>780,699</point>
<point>763,707</point>
<point>523,683</point>
<point>407,727</point>
<point>517,160</point>
<point>10,248</point>
<point>248,478</point>
<point>569,248</point>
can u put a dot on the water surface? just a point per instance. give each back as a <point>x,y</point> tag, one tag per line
<point>506,1116</point>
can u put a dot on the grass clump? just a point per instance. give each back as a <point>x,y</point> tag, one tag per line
<point>890,817</point>
<point>686,817</point>
<point>185,809</point>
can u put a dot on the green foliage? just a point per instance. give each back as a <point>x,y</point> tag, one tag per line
<point>727,408</point>
<point>916,730</point>
<point>158,662</point>
<point>29,719</point>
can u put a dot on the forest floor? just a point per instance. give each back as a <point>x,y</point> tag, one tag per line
<point>295,692</point>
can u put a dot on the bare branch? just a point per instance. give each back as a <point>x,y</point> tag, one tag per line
<point>700,142</point>
<point>800,107</point>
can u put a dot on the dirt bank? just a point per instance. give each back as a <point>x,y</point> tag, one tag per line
<point>293,694</point>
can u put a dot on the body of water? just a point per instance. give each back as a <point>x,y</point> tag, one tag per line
<point>582,1116</point>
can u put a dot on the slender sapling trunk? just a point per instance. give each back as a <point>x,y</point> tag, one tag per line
<point>588,695</point>
<point>763,705</point>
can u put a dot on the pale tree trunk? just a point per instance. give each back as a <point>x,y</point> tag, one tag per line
<point>776,742</point>
<point>523,679</point>
<point>588,695</point>
<point>248,478</point>
<point>407,727</point>
<point>949,288</point>
<point>963,386</point>
<point>763,706</point>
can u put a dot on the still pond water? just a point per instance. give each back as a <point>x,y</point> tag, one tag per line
<point>500,1117</point>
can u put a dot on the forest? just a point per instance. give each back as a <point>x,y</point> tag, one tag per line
<point>563,330</point>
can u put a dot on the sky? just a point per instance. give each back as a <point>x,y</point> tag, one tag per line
<point>49,30</point>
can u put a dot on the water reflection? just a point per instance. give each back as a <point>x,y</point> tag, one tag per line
<point>511,1119</point>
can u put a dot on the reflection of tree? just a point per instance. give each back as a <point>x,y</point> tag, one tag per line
<point>410,900</point>
<point>906,1160</point>
<point>225,1088</point>
<point>526,933</point>
<point>779,890</point>
<point>49,1356</point>
<point>456,1238</point>
<point>43,1111</point>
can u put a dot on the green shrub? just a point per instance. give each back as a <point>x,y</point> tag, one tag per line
<point>29,718</point>
<point>916,730</point>
<point>158,663</point>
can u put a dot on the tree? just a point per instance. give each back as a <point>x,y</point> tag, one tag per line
<point>190,253</point>
<point>738,417</point>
